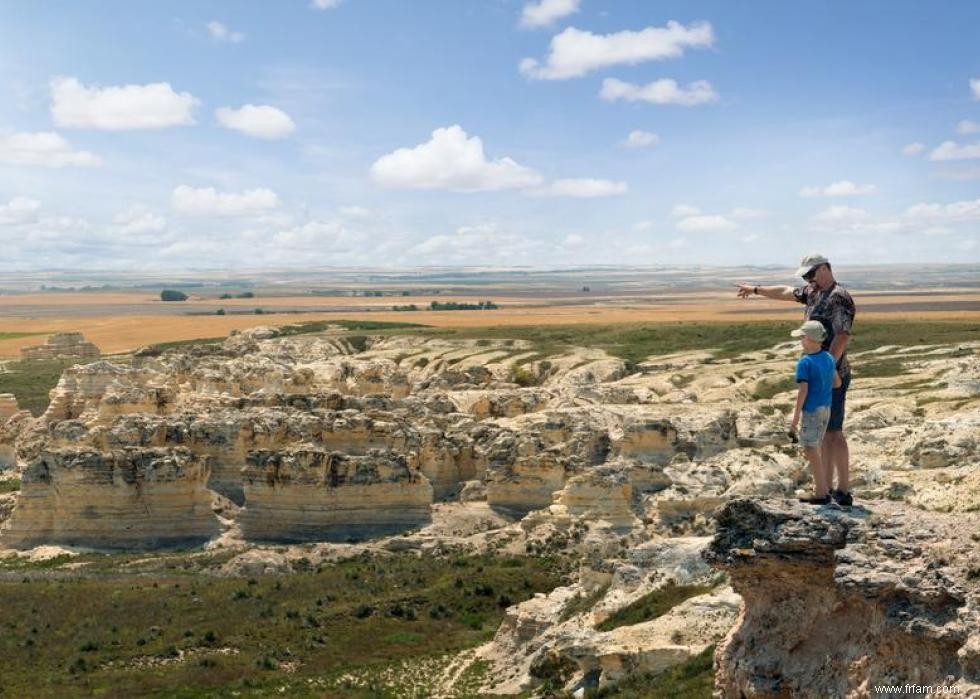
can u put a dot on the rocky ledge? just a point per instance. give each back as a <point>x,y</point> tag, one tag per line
<point>843,602</point>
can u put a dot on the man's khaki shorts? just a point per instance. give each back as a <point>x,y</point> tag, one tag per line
<point>814,426</point>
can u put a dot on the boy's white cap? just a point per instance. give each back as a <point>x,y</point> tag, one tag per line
<point>809,262</point>
<point>812,329</point>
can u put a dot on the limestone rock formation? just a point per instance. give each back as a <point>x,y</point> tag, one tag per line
<point>125,499</point>
<point>308,494</point>
<point>839,602</point>
<point>62,346</point>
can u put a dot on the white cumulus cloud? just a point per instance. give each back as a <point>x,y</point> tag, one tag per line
<point>967,127</point>
<point>641,139</point>
<point>44,149</point>
<point>152,106</point>
<point>325,4</point>
<point>975,88</point>
<point>19,210</point>
<point>545,12</point>
<point>575,52</point>
<point>581,188</point>
<point>844,188</point>
<point>221,32</point>
<point>261,121</point>
<point>452,160</point>
<point>913,149</point>
<point>951,150</point>
<point>664,91</point>
<point>209,202</point>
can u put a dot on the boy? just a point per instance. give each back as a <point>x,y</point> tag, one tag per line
<point>816,374</point>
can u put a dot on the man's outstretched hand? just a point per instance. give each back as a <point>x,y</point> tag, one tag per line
<point>745,290</point>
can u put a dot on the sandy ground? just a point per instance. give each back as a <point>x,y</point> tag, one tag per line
<point>115,330</point>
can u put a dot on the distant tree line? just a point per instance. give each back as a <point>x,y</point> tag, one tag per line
<point>243,295</point>
<point>172,295</point>
<point>457,306</point>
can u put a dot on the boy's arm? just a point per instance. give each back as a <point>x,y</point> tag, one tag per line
<point>800,399</point>
<point>837,381</point>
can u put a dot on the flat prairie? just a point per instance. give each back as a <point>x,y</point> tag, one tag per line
<point>123,321</point>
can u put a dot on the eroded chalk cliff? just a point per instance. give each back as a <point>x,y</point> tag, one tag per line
<point>845,602</point>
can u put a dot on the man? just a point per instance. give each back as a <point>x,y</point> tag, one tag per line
<point>831,304</point>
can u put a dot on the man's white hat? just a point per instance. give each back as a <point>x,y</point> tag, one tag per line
<point>812,329</point>
<point>809,262</point>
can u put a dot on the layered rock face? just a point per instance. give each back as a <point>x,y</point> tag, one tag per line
<point>62,346</point>
<point>126,499</point>
<point>840,603</point>
<point>654,451</point>
<point>315,495</point>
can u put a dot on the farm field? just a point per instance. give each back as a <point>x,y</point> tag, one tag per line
<point>122,322</point>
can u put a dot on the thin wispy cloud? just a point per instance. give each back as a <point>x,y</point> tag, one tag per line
<point>206,201</point>
<point>843,188</point>
<point>641,139</point>
<point>711,223</point>
<point>664,91</point>
<point>913,149</point>
<point>222,33</point>
<point>581,188</point>
<point>951,150</point>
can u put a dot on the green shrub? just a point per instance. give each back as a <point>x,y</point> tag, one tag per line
<point>172,295</point>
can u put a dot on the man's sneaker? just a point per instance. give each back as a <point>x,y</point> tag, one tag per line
<point>813,500</point>
<point>842,497</point>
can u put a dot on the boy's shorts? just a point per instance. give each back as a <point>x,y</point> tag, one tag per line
<point>814,426</point>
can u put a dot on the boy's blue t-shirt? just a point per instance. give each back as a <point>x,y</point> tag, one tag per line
<point>817,370</point>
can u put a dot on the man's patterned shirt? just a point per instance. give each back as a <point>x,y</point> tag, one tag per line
<point>834,308</point>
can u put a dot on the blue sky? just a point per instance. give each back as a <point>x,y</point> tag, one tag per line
<point>137,135</point>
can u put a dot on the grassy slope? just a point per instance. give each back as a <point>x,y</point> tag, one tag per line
<point>121,634</point>
<point>635,342</point>
<point>31,381</point>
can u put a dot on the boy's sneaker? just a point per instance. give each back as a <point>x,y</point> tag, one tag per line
<point>813,500</point>
<point>842,497</point>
